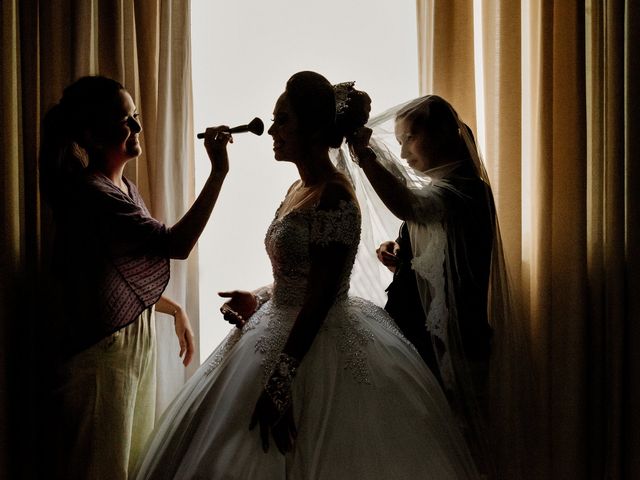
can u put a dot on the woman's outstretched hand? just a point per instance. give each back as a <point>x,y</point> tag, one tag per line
<point>281,426</point>
<point>239,308</point>
<point>215,141</point>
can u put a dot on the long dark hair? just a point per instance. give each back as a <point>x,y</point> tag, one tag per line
<point>64,150</point>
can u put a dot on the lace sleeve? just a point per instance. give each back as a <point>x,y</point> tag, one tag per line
<point>427,204</point>
<point>341,225</point>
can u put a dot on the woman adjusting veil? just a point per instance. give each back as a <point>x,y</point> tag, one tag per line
<point>449,293</point>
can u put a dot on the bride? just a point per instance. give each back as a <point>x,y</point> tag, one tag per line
<point>326,378</point>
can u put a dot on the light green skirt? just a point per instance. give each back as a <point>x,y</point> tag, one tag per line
<point>107,397</point>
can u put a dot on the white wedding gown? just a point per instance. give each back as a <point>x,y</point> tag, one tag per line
<point>364,403</point>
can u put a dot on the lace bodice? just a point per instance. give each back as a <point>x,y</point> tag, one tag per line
<point>291,238</point>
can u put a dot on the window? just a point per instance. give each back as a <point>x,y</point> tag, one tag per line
<point>243,52</point>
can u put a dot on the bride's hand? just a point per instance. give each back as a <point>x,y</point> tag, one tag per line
<point>239,308</point>
<point>282,427</point>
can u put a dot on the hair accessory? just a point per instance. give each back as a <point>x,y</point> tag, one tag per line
<point>342,91</point>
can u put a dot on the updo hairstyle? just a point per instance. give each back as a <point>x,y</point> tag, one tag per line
<point>313,100</point>
<point>353,107</point>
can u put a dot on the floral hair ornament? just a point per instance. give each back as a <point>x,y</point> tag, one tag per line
<point>342,91</point>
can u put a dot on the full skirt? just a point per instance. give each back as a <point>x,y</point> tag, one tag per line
<point>364,403</point>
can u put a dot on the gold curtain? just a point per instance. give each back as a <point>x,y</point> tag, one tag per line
<point>45,46</point>
<point>446,65</point>
<point>556,254</point>
<point>613,235</point>
<point>557,92</point>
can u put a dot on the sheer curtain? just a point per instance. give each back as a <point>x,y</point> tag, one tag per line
<point>556,90</point>
<point>45,46</point>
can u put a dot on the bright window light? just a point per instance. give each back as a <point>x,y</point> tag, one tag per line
<point>243,52</point>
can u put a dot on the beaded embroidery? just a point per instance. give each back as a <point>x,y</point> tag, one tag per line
<point>270,344</point>
<point>221,352</point>
<point>342,225</point>
<point>228,343</point>
<point>351,338</point>
<point>376,313</point>
<point>288,242</point>
<point>278,386</point>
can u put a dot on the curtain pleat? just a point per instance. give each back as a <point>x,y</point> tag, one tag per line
<point>453,60</point>
<point>613,239</point>
<point>424,17</point>
<point>565,320</point>
<point>611,318</point>
<point>631,357</point>
<point>596,364</point>
<point>614,267</point>
<point>176,174</point>
<point>12,249</point>
<point>502,113</point>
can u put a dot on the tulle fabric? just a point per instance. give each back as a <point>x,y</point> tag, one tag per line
<point>365,406</point>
